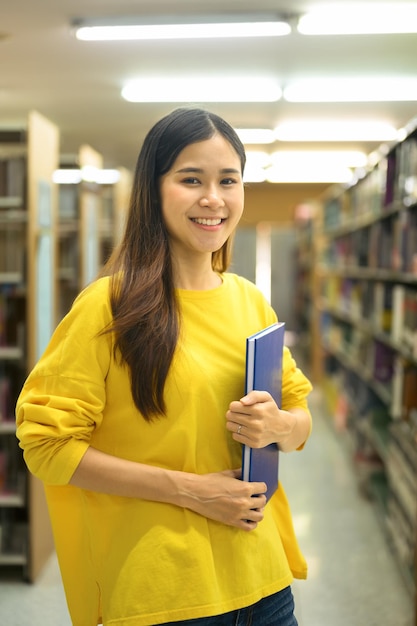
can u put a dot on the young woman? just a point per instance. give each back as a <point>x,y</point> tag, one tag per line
<point>135,416</point>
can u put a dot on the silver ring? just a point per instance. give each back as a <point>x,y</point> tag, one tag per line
<point>239,428</point>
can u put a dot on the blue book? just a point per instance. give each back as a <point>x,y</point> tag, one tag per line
<point>264,353</point>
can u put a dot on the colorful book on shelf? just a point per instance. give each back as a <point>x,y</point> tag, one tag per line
<point>264,354</point>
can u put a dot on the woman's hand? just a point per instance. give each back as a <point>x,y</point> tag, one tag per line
<point>222,497</point>
<point>256,420</point>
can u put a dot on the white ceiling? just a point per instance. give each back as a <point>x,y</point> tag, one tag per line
<point>77,84</point>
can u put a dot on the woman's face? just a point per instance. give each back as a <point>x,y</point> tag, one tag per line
<point>202,197</point>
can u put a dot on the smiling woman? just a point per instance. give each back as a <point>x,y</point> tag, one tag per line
<point>133,416</point>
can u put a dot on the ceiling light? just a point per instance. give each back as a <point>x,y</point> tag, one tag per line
<point>74,176</point>
<point>313,166</point>
<point>335,130</point>
<point>255,135</point>
<point>321,158</point>
<point>303,166</point>
<point>353,90</point>
<point>256,162</point>
<point>70,176</point>
<point>198,89</point>
<point>367,19</point>
<point>258,157</point>
<point>254,174</point>
<point>312,174</point>
<point>183,27</point>
<point>107,177</point>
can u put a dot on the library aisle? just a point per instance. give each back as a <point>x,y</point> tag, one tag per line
<point>353,577</point>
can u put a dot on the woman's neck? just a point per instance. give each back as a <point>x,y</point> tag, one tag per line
<point>195,278</point>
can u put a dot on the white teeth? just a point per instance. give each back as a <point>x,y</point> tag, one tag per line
<point>206,222</point>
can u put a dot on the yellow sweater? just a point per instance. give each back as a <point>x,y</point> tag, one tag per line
<point>131,562</point>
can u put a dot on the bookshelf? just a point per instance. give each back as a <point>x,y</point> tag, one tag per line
<point>121,199</point>
<point>69,267</point>
<point>91,222</point>
<point>365,242</point>
<point>116,198</point>
<point>81,228</point>
<point>28,200</point>
<point>307,286</point>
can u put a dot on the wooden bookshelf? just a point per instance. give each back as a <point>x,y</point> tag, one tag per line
<point>365,244</point>
<point>90,223</point>
<point>308,245</point>
<point>91,211</point>
<point>69,263</point>
<point>121,199</point>
<point>28,201</point>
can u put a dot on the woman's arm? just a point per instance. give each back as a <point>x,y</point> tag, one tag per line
<point>219,496</point>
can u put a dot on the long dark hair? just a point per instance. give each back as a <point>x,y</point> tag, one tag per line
<point>144,305</point>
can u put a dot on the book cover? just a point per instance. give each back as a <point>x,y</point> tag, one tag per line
<point>264,373</point>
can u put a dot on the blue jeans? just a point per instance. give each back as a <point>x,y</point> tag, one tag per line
<point>275,610</point>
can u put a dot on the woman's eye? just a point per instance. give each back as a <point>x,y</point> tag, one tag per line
<point>191,181</point>
<point>228,181</point>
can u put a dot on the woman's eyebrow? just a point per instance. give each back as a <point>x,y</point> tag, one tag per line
<point>198,170</point>
<point>186,170</point>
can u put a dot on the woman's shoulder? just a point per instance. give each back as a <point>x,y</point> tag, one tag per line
<point>99,288</point>
<point>240,283</point>
<point>250,297</point>
<point>92,306</point>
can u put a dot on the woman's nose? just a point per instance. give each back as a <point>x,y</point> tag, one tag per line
<point>211,199</point>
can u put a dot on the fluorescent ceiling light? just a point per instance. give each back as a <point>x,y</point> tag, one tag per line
<point>107,177</point>
<point>255,135</point>
<point>254,174</point>
<point>198,89</point>
<point>368,18</point>
<point>183,27</point>
<point>335,130</point>
<point>312,174</point>
<point>73,176</point>
<point>256,162</point>
<point>303,166</point>
<point>321,158</point>
<point>258,158</point>
<point>353,90</point>
<point>70,176</point>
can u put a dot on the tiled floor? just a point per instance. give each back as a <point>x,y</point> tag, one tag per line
<point>353,578</point>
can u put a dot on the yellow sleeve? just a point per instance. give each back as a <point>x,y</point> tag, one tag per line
<point>295,386</point>
<point>62,400</point>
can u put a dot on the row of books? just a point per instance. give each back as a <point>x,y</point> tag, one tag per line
<point>6,408</point>
<point>392,375</point>
<point>389,244</point>
<point>392,181</point>
<point>13,536</point>
<point>405,175</point>
<point>359,351</point>
<point>12,474</point>
<point>404,393</point>
<point>12,249</point>
<point>12,376</point>
<point>68,202</point>
<point>385,457</point>
<point>400,537</point>
<point>371,193</point>
<point>69,257</point>
<point>12,315</point>
<point>377,306</point>
<point>401,466</point>
<point>359,299</point>
<point>13,177</point>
